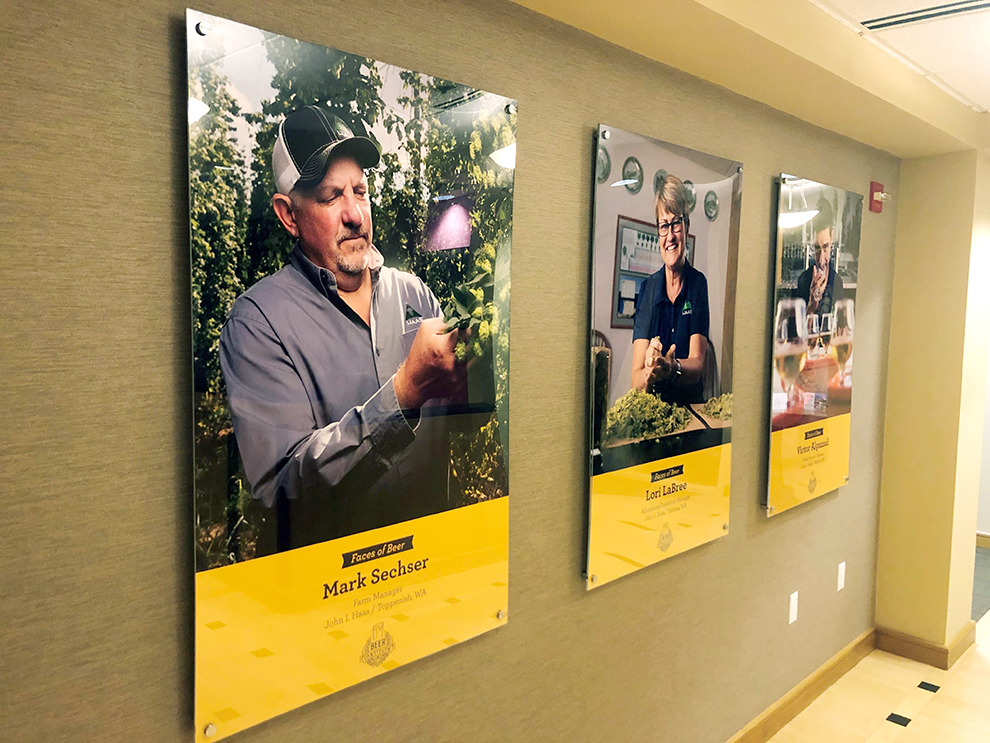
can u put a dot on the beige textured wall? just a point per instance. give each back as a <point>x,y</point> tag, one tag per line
<point>932,445</point>
<point>96,451</point>
<point>971,414</point>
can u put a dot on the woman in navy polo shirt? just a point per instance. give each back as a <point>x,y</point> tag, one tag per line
<point>670,328</point>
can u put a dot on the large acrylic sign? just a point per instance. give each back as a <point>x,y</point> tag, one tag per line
<point>818,232</point>
<point>350,229</point>
<point>666,232</point>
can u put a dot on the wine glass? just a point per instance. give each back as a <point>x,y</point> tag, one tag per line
<point>814,335</point>
<point>827,325</point>
<point>842,338</point>
<point>790,342</point>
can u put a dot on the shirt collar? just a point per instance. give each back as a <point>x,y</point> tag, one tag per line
<point>323,279</point>
<point>687,276</point>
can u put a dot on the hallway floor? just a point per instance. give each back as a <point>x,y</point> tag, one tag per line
<point>886,698</point>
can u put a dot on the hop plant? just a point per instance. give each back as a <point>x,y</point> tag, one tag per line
<point>461,352</point>
<point>471,309</point>
<point>639,414</point>
<point>719,407</point>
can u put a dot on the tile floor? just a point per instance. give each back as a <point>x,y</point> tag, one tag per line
<point>981,584</point>
<point>887,699</point>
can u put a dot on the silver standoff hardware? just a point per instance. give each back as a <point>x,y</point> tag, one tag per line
<point>593,578</point>
<point>847,478</point>
<point>210,730</point>
<point>770,510</point>
<point>500,615</point>
<point>510,108</point>
<point>725,527</point>
<point>606,134</point>
<point>203,28</point>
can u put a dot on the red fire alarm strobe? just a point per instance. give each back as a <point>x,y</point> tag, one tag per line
<point>877,197</point>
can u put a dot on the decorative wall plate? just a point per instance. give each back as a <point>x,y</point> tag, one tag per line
<point>692,196</point>
<point>658,179</point>
<point>603,165</point>
<point>632,173</point>
<point>711,205</point>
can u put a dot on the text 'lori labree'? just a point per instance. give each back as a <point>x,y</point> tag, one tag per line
<point>674,487</point>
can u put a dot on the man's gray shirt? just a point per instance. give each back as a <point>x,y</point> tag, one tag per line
<point>311,394</point>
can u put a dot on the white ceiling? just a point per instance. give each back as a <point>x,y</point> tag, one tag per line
<point>953,49</point>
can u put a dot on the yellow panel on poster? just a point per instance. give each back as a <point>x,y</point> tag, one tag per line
<point>807,461</point>
<point>278,632</point>
<point>644,514</point>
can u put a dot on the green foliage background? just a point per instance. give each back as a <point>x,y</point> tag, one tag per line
<point>446,133</point>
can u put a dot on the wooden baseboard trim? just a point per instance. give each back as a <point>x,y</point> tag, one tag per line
<point>983,540</point>
<point>793,702</point>
<point>940,656</point>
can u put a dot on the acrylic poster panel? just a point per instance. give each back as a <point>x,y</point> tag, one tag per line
<point>351,566</point>
<point>818,234</point>
<point>660,457</point>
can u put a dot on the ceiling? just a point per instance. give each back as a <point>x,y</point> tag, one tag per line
<point>819,51</point>
<point>946,41</point>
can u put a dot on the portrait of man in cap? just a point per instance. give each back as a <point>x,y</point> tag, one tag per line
<point>338,369</point>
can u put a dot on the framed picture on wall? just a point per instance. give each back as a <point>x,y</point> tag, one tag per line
<point>663,296</point>
<point>350,500</point>
<point>811,379</point>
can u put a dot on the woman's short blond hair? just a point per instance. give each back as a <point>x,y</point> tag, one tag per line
<point>672,196</point>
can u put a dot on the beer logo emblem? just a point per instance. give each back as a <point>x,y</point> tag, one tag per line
<point>812,483</point>
<point>377,647</point>
<point>666,538</point>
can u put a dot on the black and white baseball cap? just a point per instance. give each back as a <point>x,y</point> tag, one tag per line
<point>306,138</point>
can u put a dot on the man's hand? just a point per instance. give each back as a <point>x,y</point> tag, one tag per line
<point>430,370</point>
<point>819,279</point>
<point>664,368</point>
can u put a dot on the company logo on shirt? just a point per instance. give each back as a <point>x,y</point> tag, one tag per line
<point>412,317</point>
<point>687,309</point>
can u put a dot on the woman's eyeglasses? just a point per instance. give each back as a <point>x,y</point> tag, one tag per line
<point>677,225</point>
